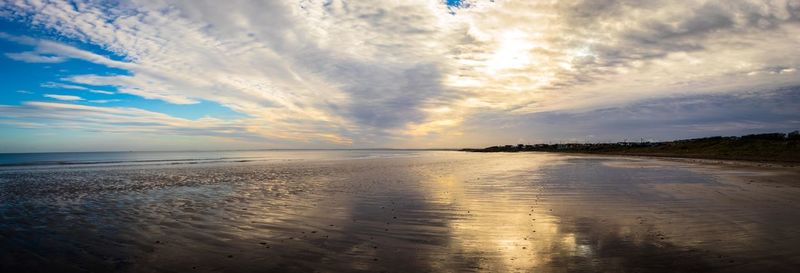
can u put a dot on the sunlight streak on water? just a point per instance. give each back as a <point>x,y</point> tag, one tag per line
<point>429,211</point>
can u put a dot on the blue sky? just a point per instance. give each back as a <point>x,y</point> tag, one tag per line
<point>26,81</point>
<point>147,75</point>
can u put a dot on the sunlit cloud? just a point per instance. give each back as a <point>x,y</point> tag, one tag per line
<point>413,73</point>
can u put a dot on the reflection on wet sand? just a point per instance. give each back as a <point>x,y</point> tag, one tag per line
<point>438,211</point>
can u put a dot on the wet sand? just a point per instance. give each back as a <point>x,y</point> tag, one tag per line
<point>432,212</point>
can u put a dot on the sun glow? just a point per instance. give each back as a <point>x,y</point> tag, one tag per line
<point>513,52</point>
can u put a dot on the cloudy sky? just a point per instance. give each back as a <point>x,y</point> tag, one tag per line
<point>174,75</point>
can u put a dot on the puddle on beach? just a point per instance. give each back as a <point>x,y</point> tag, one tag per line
<point>432,212</point>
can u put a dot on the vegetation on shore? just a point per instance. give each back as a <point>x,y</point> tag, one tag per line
<point>758,147</point>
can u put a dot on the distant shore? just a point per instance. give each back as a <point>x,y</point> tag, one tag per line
<point>754,163</point>
<point>772,147</point>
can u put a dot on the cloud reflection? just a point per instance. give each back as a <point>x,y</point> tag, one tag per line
<point>435,211</point>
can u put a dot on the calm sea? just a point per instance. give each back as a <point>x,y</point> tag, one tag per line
<point>187,157</point>
<point>391,211</point>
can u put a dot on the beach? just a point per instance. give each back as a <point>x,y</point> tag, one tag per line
<point>399,211</point>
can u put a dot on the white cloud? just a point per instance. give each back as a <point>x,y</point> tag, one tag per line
<point>63,97</point>
<point>104,101</point>
<point>74,87</point>
<point>33,57</point>
<point>62,86</point>
<point>135,120</point>
<point>383,70</point>
<point>101,92</point>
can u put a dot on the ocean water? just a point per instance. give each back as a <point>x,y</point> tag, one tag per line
<point>186,157</point>
<point>391,211</point>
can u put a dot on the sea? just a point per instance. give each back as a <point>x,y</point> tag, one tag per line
<point>393,211</point>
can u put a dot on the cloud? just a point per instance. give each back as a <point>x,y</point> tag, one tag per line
<point>33,57</point>
<point>284,77</point>
<point>104,101</point>
<point>101,92</point>
<point>62,86</point>
<point>74,87</point>
<point>375,72</point>
<point>753,111</point>
<point>135,120</point>
<point>63,97</point>
<point>104,119</point>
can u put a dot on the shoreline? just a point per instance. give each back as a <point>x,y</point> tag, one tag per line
<point>711,160</point>
<point>777,173</point>
<point>698,159</point>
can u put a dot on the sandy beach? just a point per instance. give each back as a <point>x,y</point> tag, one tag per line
<point>423,212</point>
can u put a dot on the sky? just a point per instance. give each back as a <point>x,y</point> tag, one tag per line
<point>210,75</point>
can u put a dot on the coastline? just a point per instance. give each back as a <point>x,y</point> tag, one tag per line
<point>750,162</point>
<point>707,160</point>
<point>746,171</point>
